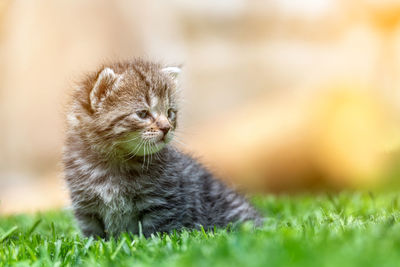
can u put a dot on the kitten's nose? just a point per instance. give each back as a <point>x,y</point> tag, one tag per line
<point>165,129</point>
<point>164,126</point>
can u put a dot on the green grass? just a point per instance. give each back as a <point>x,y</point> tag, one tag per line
<point>347,229</point>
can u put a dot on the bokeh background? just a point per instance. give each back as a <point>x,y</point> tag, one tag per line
<point>279,95</point>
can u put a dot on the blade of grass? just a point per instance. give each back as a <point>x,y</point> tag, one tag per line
<point>34,226</point>
<point>8,233</point>
<point>53,230</point>
<point>204,232</point>
<point>140,229</point>
<point>118,249</point>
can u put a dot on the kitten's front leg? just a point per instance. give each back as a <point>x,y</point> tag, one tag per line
<point>90,224</point>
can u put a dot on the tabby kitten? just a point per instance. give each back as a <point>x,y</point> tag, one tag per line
<point>120,170</point>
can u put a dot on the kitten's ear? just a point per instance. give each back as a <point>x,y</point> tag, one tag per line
<point>104,86</point>
<point>173,72</point>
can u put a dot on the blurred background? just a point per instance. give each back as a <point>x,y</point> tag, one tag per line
<point>279,95</point>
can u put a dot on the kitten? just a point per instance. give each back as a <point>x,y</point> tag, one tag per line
<point>120,170</point>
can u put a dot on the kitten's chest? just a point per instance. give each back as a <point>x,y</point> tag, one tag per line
<point>122,204</point>
<point>115,195</point>
<point>116,208</point>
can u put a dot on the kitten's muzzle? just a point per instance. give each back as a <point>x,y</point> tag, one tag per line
<point>164,126</point>
<point>165,129</point>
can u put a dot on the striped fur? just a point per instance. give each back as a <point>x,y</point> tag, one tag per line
<point>114,190</point>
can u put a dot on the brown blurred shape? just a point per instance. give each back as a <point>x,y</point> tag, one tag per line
<point>336,139</point>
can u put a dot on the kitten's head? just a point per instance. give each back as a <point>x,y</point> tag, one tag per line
<point>133,107</point>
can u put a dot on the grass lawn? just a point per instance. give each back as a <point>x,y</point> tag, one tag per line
<point>346,229</point>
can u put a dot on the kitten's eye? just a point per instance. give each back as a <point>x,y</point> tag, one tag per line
<point>143,114</point>
<point>171,114</point>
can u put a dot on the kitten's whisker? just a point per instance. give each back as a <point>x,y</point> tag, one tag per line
<point>180,142</point>
<point>160,159</point>
<point>156,154</point>
<point>148,155</point>
<point>151,155</point>
<point>110,152</point>
<point>127,141</point>
<point>144,159</point>
<point>185,132</point>
<point>136,150</point>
